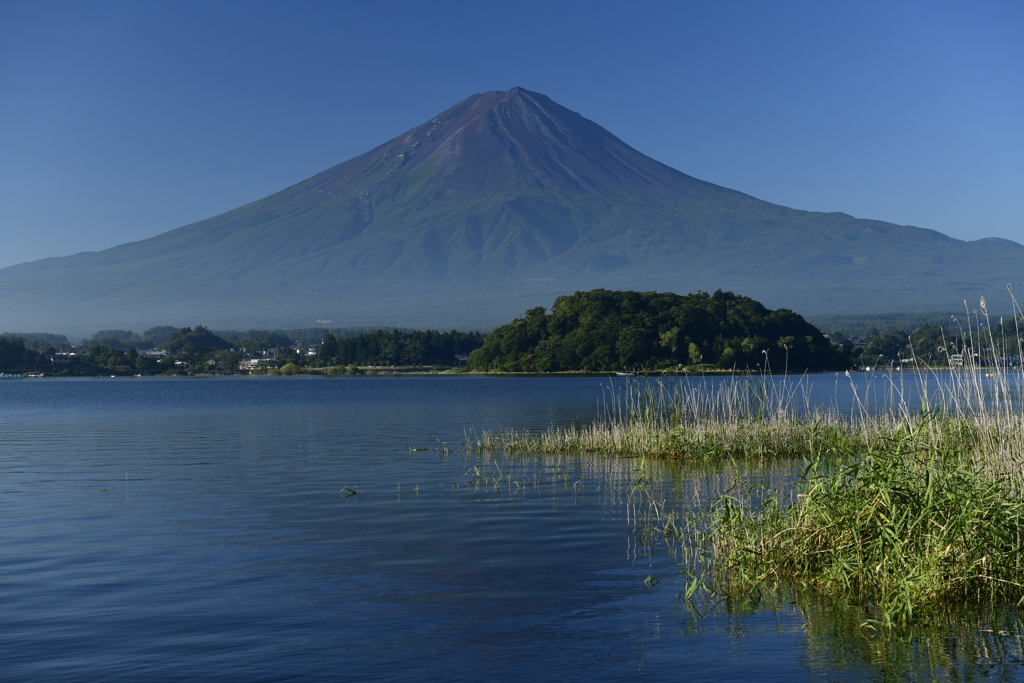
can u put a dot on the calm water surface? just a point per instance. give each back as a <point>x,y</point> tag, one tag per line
<point>266,529</point>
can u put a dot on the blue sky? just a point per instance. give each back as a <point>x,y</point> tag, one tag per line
<point>122,120</point>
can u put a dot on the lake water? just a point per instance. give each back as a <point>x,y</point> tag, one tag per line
<point>268,529</point>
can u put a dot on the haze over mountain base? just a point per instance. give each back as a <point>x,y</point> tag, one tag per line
<point>497,205</point>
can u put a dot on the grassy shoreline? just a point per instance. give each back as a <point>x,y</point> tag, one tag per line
<point>903,509</point>
<point>929,517</point>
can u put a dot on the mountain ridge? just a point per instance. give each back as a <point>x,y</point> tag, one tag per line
<point>501,202</point>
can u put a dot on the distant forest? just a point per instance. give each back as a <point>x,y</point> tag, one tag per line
<point>200,350</point>
<point>865,325</point>
<point>399,348</point>
<point>596,331</point>
<point>156,337</point>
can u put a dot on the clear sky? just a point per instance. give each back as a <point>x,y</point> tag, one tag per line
<point>122,120</point>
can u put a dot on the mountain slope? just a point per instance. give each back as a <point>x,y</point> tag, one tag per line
<point>498,204</point>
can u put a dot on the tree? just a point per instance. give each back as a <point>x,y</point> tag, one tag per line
<point>887,348</point>
<point>14,356</point>
<point>327,354</point>
<point>696,355</point>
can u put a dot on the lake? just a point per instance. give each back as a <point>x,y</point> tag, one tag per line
<point>313,528</point>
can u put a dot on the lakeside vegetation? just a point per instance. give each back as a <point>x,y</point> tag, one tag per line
<point>899,532</point>
<point>898,514</point>
<point>904,510</point>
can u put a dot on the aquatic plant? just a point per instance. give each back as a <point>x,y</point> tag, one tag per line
<point>912,526</point>
<point>973,409</point>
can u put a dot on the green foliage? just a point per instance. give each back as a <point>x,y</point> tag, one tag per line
<point>300,336</point>
<point>121,361</point>
<point>929,345</point>
<point>289,356</point>
<point>15,357</point>
<point>257,339</point>
<point>428,347</point>
<point>916,525</point>
<point>863,325</point>
<point>932,344</point>
<point>159,335</point>
<point>195,340</point>
<point>311,336</point>
<point>890,347</point>
<point>101,360</point>
<point>602,330</point>
<point>40,341</point>
<point>116,351</point>
<point>902,515</point>
<point>327,354</point>
<point>118,339</point>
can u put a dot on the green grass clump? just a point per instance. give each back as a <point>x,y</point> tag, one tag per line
<point>914,526</point>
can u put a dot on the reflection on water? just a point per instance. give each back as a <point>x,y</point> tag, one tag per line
<point>302,528</point>
<point>960,642</point>
<point>961,645</point>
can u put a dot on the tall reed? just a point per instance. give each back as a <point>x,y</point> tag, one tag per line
<point>913,526</point>
<point>765,419</point>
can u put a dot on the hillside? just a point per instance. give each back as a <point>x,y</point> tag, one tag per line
<point>500,203</point>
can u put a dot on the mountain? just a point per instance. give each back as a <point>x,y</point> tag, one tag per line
<point>496,205</point>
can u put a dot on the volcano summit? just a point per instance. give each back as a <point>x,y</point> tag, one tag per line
<point>496,205</point>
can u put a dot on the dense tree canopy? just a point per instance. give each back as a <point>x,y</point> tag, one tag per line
<point>15,357</point>
<point>117,339</point>
<point>988,344</point>
<point>428,347</point>
<point>257,340</point>
<point>40,341</point>
<point>198,338</point>
<point>604,330</point>
<point>158,336</point>
<point>927,344</point>
<point>116,360</point>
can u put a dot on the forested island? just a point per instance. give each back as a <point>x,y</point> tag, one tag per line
<point>595,331</point>
<point>602,330</point>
